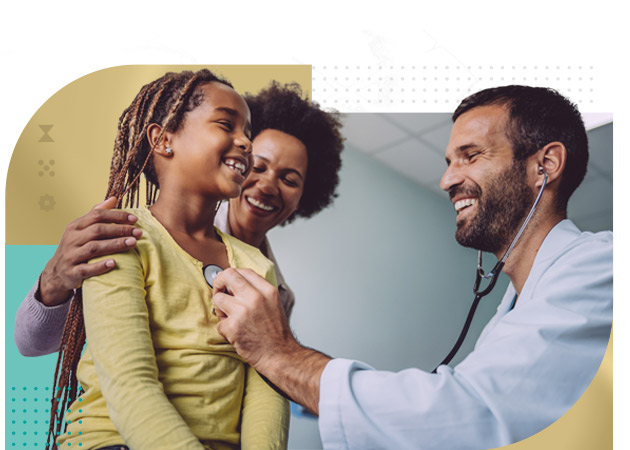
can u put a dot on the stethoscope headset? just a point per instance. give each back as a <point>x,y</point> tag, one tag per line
<point>493,276</point>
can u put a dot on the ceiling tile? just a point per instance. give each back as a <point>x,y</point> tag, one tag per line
<point>370,132</point>
<point>415,161</point>
<point>438,138</point>
<point>419,123</point>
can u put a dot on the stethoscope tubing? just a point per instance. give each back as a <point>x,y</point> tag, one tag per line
<point>493,276</point>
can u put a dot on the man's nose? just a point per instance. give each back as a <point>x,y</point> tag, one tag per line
<point>452,177</point>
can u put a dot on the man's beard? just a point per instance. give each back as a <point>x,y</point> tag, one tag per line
<point>501,209</point>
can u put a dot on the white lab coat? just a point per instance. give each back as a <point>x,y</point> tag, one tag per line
<point>529,366</point>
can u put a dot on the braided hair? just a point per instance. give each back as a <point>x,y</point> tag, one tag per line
<point>164,101</point>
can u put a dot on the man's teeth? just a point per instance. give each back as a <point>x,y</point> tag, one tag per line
<point>260,205</point>
<point>237,166</point>
<point>461,204</point>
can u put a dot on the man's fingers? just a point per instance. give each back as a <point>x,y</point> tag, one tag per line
<point>231,280</point>
<point>223,304</point>
<point>83,271</point>
<point>257,281</point>
<point>106,247</point>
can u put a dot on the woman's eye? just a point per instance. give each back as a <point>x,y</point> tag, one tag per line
<point>258,169</point>
<point>290,182</point>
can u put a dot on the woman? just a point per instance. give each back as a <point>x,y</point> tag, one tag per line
<point>296,148</point>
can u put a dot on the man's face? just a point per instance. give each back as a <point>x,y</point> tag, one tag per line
<point>489,190</point>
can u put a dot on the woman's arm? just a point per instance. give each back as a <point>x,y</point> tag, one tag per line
<point>40,319</point>
<point>119,339</point>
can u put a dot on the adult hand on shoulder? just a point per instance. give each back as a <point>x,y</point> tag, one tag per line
<point>251,316</point>
<point>100,232</point>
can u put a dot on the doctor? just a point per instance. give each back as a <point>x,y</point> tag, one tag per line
<point>535,357</point>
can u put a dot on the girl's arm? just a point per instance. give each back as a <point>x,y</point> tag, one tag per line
<point>265,415</point>
<point>265,423</point>
<point>119,339</point>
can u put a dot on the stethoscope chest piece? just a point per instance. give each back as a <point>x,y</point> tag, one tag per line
<point>210,272</point>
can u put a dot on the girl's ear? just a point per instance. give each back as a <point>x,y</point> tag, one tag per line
<point>162,147</point>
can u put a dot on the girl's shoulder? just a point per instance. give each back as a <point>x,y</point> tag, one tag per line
<point>245,256</point>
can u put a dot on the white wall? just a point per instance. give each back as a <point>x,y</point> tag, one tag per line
<point>379,276</point>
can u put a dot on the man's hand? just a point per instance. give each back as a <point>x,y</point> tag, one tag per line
<point>100,232</point>
<point>252,319</point>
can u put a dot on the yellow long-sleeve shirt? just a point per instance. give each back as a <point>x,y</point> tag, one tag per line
<point>156,373</point>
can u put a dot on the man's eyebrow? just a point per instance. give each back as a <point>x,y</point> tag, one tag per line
<point>466,147</point>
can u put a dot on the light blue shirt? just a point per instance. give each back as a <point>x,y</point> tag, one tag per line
<point>529,366</point>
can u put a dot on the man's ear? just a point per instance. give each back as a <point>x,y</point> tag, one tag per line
<point>153,134</point>
<point>552,158</point>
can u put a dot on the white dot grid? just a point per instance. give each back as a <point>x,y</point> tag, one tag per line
<point>440,88</point>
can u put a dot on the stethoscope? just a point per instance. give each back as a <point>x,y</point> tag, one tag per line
<point>210,272</point>
<point>493,276</point>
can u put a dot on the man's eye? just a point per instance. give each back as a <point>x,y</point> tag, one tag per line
<point>472,155</point>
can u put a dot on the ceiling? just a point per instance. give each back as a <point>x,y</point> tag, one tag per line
<point>413,145</point>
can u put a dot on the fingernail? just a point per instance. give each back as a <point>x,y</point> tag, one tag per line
<point>132,218</point>
<point>110,263</point>
<point>137,232</point>
<point>130,242</point>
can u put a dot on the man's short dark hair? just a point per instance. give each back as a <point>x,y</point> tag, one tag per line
<point>538,116</point>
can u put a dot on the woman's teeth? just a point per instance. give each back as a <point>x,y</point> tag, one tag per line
<point>236,166</point>
<point>259,204</point>
<point>461,204</point>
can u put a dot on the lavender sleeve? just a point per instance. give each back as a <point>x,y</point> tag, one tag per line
<point>38,327</point>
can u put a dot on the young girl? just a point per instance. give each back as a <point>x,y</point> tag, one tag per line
<point>155,373</point>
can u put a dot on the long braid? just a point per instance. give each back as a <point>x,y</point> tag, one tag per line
<point>165,102</point>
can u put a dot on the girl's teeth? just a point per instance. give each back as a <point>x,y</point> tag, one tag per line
<point>237,166</point>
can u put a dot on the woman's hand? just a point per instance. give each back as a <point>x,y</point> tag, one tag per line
<point>100,232</point>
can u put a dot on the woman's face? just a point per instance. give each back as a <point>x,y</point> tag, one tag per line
<point>272,191</point>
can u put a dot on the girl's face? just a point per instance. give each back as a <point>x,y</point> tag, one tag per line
<point>211,149</point>
<point>272,192</point>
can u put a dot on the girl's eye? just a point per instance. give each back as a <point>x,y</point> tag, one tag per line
<point>258,169</point>
<point>227,125</point>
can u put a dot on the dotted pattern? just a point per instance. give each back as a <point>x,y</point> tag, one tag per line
<point>28,417</point>
<point>438,88</point>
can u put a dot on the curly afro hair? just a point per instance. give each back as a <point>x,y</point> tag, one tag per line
<point>285,108</point>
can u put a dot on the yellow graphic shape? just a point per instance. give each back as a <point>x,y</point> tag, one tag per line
<point>588,425</point>
<point>76,128</point>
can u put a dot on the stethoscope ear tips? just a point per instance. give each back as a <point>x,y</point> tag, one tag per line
<point>210,272</point>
